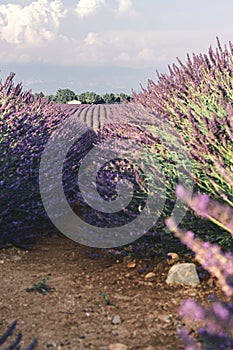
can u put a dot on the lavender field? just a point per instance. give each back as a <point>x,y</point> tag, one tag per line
<point>190,108</point>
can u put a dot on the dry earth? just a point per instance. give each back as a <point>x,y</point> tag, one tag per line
<point>73,315</point>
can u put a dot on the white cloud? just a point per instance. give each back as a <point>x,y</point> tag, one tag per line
<point>146,54</point>
<point>123,57</point>
<point>36,32</point>
<point>32,24</point>
<point>125,7</point>
<point>139,58</point>
<point>93,39</point>
<point>124,48</point>
<point>88,7</point>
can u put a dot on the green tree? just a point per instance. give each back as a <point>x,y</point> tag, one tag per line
<point>40,94</point>
<point>64,95</point>
<point>124,97</point>
<point>109,98</point>
<point>81,97</point>
<point>51,97</point>
<point>90,97</point>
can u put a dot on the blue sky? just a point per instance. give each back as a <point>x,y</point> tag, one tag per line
<point>104,45</point>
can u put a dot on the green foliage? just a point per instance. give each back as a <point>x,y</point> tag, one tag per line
<point>64,95</point>
<point>89,98</point>
<point>51,98</point>
<point>197,99</point>
<point>160,155</point>
<point>42,287</point>
<point>110,98</point>
<point>105,298</point>
<point>40,94</point>
<point>124,97</point>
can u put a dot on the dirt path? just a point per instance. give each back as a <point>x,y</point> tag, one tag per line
<point>73,315</point>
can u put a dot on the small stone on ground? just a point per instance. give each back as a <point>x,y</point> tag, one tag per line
<point>117,346</point>
<point>183,274</point>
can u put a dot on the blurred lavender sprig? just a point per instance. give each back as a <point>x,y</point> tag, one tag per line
<point>204,206</point>
<point>216,330</point>
<point>208,255</point>
<point>217,320</point>
<point>15,345</point>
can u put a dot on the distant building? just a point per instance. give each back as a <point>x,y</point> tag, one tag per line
<point>74,102</point>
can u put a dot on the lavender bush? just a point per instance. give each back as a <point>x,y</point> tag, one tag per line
<point>196,98</point>
<point>217,321</point>
<point>26,123</point>
<point>159,156</point>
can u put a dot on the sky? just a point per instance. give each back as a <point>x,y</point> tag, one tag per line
<point>104,45</point>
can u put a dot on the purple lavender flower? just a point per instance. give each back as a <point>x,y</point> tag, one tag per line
<point>196,98</point>
<point>26,123</point>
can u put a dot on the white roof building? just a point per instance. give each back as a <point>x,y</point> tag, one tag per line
<point>74,102</point>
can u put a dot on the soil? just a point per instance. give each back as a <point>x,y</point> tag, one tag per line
<point>88,288</point>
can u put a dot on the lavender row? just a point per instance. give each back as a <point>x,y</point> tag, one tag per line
<point>26,124</point>
<point>196,97</point>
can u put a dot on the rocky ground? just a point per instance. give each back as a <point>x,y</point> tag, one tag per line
<point>95,299</point>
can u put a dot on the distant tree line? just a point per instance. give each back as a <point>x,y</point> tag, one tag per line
<point>66,95</point>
